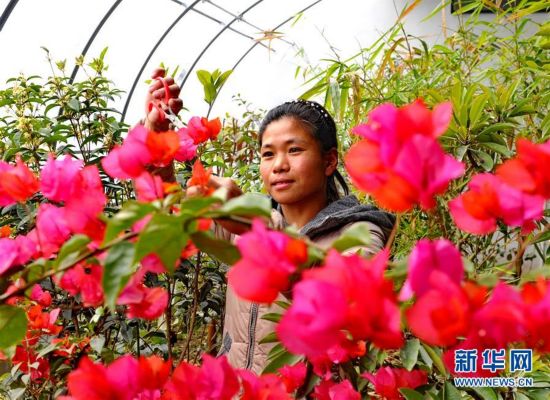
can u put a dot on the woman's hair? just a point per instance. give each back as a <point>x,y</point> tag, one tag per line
<point>322,127</point>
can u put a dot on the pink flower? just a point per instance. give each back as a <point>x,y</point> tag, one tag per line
<point>148,187</point>
<point>86,280</point>
<point>502,320</point>
<point>400,161</point>
<point>51,229</point>
<point>16,251</point>
<point>188,149</point>
<point>488,199</point>
<point>200,129</point>
<point>387,381</point>
<point>42,297</point>
<point>314,321</point>
<point>426,257</point>
<point>85,204</point>
<point>58,176</point>
<point>129,160</point>
<point>17,183</point>
<point>329,390</point>
<point>371,312</point>
<point>259,278</point>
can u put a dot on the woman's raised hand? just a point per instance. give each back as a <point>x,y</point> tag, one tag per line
<point>216,182</point>
<point>162,97</point>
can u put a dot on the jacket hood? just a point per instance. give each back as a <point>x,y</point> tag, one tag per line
<point>345,211</point>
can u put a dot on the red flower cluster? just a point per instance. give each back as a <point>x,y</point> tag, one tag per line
<point>128,378</point>
<point>399,161</point>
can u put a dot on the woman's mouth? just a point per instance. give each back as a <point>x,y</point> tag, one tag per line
<point>283,184</point>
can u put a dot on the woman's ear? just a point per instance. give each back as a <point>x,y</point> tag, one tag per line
<point>331,161</point>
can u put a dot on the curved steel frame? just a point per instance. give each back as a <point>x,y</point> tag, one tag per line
<point>94,34</point>
<point>7,12</point>
<point>166,32</point>
<point>238,17</point>
<point>286,21</point>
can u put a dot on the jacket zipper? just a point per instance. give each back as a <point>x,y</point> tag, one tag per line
<point>251,335</point>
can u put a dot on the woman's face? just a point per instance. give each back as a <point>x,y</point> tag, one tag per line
<point>292,165</point>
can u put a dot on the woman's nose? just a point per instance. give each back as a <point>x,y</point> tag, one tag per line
<point>280,163</point>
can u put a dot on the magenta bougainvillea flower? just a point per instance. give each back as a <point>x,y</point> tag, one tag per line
<point>490,199</point>
<point>17,183</point>
<point>426,257</point>
<point>330,390</point>
<point>58,177</point>
<point>149,187</point>
<point>400,161</point>
<point>529,171</point>
<point>129,160</point>
<point>388,380</point>
<point>51,229</point>
<point>258,278</point>
<point>201,129</point>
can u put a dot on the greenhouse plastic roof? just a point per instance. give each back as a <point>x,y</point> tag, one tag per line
<point>262,40</point>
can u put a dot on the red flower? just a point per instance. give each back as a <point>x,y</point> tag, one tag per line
<point>387,381</point>
<point>5,231</point>
<point>263,387</point>
<point>293,376</point>
<point>536,296</point>
<point>43,322</point>
<point>17,183</point>
<point>488,199</point>
<point>162,146</point>
<point>214,380</point>
<point>200,177</point>
<point>84,279</point>
<point>149,187</point>
<point>529,171</point>
<point>51,229</point>
<point>30,363</point>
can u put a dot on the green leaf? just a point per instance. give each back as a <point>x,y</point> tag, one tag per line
<point>129,214</point>
<point>451,393</point>
<point>71,251</point>
<point>499,148</point>
<point>486,393</point>
<point>409,354</point>
<point>411,394</point>
<point>117,271</point>
<point>13,326</point>
<point>485,160</point>
<point>273,317</point>
<point>74,104</point>
<point>270,338</point>
<point>281,358</point>
<point>356,235</point>
<point>222,250</point>
<point>436,358</point>
<point>163,236</point>
<point>250,204</point>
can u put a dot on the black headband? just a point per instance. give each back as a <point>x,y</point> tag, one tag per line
<point>317,107</point>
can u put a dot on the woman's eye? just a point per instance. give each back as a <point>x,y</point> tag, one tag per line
<point>294,149</point>
<point>267,154</point>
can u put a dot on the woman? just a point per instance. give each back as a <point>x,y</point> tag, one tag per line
<point>298,167</point>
